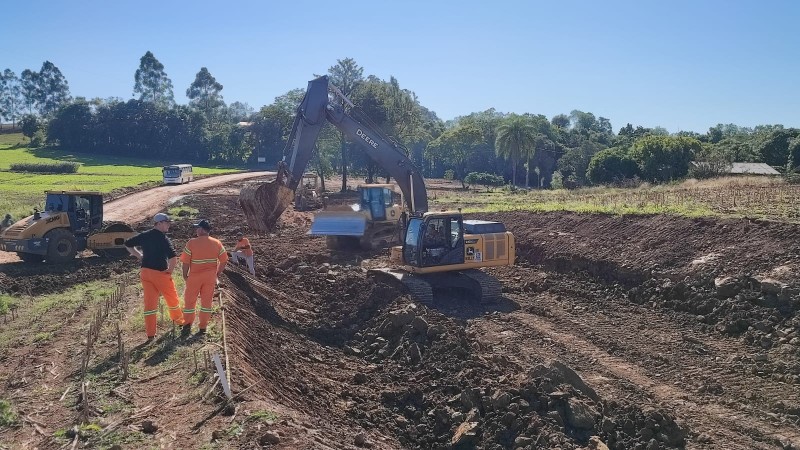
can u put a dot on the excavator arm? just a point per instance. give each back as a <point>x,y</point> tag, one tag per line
<point>265,203</point>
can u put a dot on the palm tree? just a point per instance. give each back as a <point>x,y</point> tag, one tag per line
<point>515,139</point>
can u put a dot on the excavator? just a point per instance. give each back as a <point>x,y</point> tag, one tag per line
<point>71,222</point>
<point>440,250</point>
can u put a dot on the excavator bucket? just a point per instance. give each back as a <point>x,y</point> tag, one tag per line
<point>338,223</point>
<point>263,203</point>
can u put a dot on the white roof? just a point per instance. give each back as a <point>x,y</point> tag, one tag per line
<point>753,168</point>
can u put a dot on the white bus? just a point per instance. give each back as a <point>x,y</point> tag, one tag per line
<point>177,174</point>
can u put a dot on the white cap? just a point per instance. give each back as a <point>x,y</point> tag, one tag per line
<point>161,217</point>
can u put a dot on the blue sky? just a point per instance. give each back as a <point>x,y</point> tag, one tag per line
<point>682,65</point>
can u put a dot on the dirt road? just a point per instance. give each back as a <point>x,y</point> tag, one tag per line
<point>139,206</point>
<point>142,205</point>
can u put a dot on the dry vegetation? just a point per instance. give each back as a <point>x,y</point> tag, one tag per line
<point>755,197</point>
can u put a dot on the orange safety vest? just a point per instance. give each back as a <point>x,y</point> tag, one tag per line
<point>244,246</point>
<point>204,253</point>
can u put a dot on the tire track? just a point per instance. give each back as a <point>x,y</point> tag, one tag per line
<point>613,344</point>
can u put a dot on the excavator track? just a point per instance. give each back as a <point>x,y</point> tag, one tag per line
<point>491,288</point>
<point>481,286</point>
<point>419,289</point>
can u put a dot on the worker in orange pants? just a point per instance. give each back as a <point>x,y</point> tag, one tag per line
<point>156,284</point>
<point>203,260</point>
<point>158,260</point>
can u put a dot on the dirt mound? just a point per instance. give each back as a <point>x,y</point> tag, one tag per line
<point>21,278</point>
<point>734,277</point>
<point>414,374</point>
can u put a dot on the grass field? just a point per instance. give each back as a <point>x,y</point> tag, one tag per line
<point>757,197</point>
<point>21,192</point>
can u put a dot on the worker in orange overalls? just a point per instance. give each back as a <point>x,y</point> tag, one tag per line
<point>158,259</point>
<point>243,251</point>
<point>203,261</point>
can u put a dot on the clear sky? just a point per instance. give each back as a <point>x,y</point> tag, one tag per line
<point>680,64</point>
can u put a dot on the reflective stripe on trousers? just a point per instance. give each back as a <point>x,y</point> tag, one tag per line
<point>155,284</point>
<point>199,284</point>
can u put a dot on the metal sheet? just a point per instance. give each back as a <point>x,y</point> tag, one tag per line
<point>338,223</point>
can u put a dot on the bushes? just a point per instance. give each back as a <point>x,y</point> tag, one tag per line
<point>488,180</point>
<point>56,167</point>
<point>611,165</point>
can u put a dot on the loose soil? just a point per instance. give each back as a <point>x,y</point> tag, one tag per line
<point>634,332</point>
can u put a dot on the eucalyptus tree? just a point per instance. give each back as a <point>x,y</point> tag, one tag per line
<point>239,112</point>
<point>10,96</point>
<point>152,83</point>
<point>515,138</point>
<point>29,88</point>
<point>53,91</point>
<point>345,75</point>
<point>204,93</point>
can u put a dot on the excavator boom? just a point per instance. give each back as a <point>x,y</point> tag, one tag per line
<point>263,204</point>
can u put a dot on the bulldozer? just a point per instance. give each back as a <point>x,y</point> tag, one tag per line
<point>71,222</point>
<point>438,250</point>
<point>372,223</point>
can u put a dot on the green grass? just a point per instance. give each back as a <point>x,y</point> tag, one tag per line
<point>263,415</point>
<point>7,415</point>
<point>181,212</point>
<point>30,328</point>
<point>21,192</point>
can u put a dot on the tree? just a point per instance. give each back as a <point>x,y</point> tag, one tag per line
<point>29,125</point>
<point>515,138</point>
<point>152,83</point>
<point>10,96</point>
<point>53,89</point>
<point>611,165</point>
<point>69,127</point>
<point>204,93</point>
<point>456,146</point>
<point>345,75</point>
<point>29,86</point>
<point>560,121</point>
<point>239,112</point>
<point>774,146</point>
<point>664,158</point>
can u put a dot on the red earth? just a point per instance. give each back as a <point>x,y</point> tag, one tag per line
<point>631,332</point>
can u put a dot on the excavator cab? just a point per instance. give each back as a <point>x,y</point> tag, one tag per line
<point>435,240</point>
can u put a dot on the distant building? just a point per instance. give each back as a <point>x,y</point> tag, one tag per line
<point>740,168</point>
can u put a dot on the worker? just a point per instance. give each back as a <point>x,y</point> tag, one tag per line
<point>434,237</point>
<point>158,259</point>
<point>203,260</point>
<point>243,251</point>
<point>7,222</point>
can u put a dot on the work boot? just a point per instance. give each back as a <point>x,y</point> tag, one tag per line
<point>186,330</point>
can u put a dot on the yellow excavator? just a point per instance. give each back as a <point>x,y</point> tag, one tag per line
<point>71,222</point>
<point>439,250</point>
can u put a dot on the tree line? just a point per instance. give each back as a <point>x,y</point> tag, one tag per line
<point>574,149</point>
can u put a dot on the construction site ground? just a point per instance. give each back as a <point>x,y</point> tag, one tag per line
<point>631,332</point>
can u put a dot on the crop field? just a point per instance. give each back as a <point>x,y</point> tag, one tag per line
<point>754,197</point>
<point>21,192</point>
